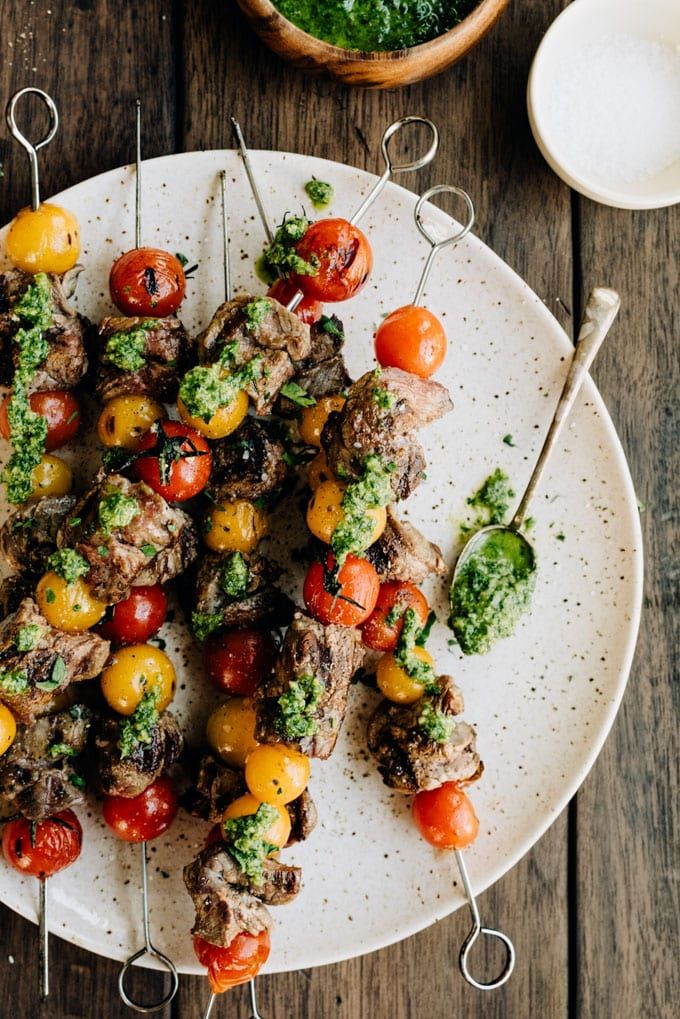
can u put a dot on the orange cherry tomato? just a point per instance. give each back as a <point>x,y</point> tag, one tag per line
<point>384,625</point>
<point>445,817</point>
<point>239,962</point>
<point>147,281</point>
<point>344,256</point>
<point>53,845</point>
<point>309,310</point>
<point>60,409</point>
<point>413,339</point>
<point>353,601</point>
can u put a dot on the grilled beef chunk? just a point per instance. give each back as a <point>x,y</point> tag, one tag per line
<point>29,535</point>
<point>223,909</point>
<point>13,590</point>
<point>248,464</point>
<point>408,759</point>
<point>130,776</point>
<point>323,372</point>
<point>157,543</point>
<point>403,553</point>
<point>52,660</point>
<point>66,361</point>
<point>280,884</point>
<point>214,787</point>
<point>260,603</point>
<point>303,818</point>
<point>369,424</point>
<point>329,655</point>
<point>280,339</point>
<point>167,353</point>
<point>37,773</point>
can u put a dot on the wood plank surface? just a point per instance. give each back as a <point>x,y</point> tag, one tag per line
<point>591,927</point>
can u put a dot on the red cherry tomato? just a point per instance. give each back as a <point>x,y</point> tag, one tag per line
<point>144,817</point>
<point>56,844</point>
<point>147,281</point>
<point>239,962</point>
<point>138,617</point>
<point>355,598</point>
<point>345,260</point>
<point>413,339</point>
<point>308,310</point>
<point>238,661</point>
<point>394,598</point>
<point>59,407</point>
<point>445,817</point>
<point>186,465</point>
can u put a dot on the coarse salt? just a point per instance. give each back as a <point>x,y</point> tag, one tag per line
<point>615,105</point>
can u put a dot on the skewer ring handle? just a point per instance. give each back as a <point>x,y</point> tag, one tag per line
<point>439,189</point>
<point>166,963</point>
<point>32,147</point>
<point>468,944</point>
<point>414,164</point>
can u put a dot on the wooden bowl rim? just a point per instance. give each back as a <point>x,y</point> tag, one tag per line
<point>485,13</point>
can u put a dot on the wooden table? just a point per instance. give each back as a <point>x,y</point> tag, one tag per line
<point>592,908</point>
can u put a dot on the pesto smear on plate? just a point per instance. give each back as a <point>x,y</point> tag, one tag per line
<point>371,25</point>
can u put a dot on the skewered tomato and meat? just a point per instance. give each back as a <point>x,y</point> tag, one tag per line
<point>146,356</point>
<point>248,464</point>
<point>29,535</point>
<point>403,553</point>
<point>238,590</point>
<point>174,460</point>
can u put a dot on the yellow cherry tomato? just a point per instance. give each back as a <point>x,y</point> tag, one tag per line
<point>71,607</point>
<point>52,476</point>
<point>126,418</point>
<point>8,730</point>
<point>318,471</point>
<point>230,731</point>
<point>279,831</point>
<point>133,671</point>
<point>277,774</point>
<point>395,683</point>
<point>236,526</point>
<point>325,512</point>
<point>225,421</point>
<point>47,240</point>
<point>314,418</point>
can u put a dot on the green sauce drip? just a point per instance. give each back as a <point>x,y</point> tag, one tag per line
<point>235,576</point>
<point>296,708</point>
<point>138,727</point>
<point>354,532</point>
<point>206,388</point>
<point>280,259</point>
<point>246,839</point>
<point>125,350</point>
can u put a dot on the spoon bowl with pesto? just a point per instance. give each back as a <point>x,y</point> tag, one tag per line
<point>494,577</point>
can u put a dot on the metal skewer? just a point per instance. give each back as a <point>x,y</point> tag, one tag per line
<point>476,931</point>
<point>30,147</point>
<point>438,245</point>
<point>150,950</point>
<point>252,994</point>
<point>138,173</point>
<point>248,166</point>
<point>44,942</point>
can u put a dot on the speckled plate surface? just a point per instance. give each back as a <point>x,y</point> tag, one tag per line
<point>543,700</point>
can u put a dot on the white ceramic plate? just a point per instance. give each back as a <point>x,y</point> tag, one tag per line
<point>543,700</point>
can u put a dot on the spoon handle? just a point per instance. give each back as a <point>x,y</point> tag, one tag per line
<point>600,311</point>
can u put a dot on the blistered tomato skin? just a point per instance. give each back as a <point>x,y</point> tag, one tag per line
<point>144,817</point>
<point>236,526</point>
<point>344,259</point>
<point>350,600</point>
<point>147,282</point>
<point>53,845</point>
<point>125,419</point>
<point>239,962</point>
<point>136,619</point>
<point>188,463</point>
<point>47,240</point>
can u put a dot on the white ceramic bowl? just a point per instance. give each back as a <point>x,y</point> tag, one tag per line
<point>584,22</point>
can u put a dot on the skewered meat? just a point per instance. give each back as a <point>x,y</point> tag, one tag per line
<point>30,678</point>
<point>216,786</point>
<point>130,776</point>
<point>13,590</point>
<point>29,535</point>
<point>408,759</point>
<point>66,361</point>
<point>223,909</point>
<point>383,411</point>
<point>248,464</point>
<point>403,553</point>
<point>162,344</point>
<point>37,773</point>
<point>279,338</point>
<point>261,602</point>
<point>323,372</point>
<point>325,657</point>
<point>303,818</point>
<point>280,883</point>
<point>156,543</point>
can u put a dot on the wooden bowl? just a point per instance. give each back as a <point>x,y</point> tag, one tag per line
<point>385,69</point>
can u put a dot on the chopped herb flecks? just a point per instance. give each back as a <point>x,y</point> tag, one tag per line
<point>295,714</point>
<point>245,837</point>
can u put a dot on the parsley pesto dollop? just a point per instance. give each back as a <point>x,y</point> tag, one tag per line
<point>280,260</point>
<point>205,389</point>
<point>125,350</point>
<point>372,491</point>
<point>117,510</point>
<point>295,711</point>
<point>319,192</point>
<point>247,840</point>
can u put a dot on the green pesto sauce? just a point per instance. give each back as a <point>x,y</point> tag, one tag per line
<point>117,510</point>
<point>404,654</point>
<point>319,192</point>
<point>371,25</point>
<point>245,837</point>
<point>492,591</point>
<point>295,715</point>
<point>280,259</point>
<point>434,723</point>
<point>235,576</point>
<point>490,502</point>
<point>255,312</point>
<point>125,350</point>
<point>138,727</point>
<point>354,532</point>
<point>28,637</point>
<point>68,564</point>
<point>13,681</point>
<point>207,387</point>
<point>204,623</point>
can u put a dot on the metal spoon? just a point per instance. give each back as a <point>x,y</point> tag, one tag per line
<point>600,311</point>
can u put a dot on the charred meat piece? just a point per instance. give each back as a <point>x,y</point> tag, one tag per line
<point>142,355</point>
<point>129,776</point>
<point>303,704</point>
<point>37,773</point>
<point>257,327</point>
<point>37,661</point>
<point>403,553</point>
<point>303,818</point>
<point>66,362</point>
<point>247,464</point>
<point>214,787</point>
<point>383,412</point>
<point>280,884</point>
<point>240,588</point>
<point>129,535</point>
<point>223,909</point>
<point>29,535</point>
<point>421,745</point>
<point>323,372</point>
